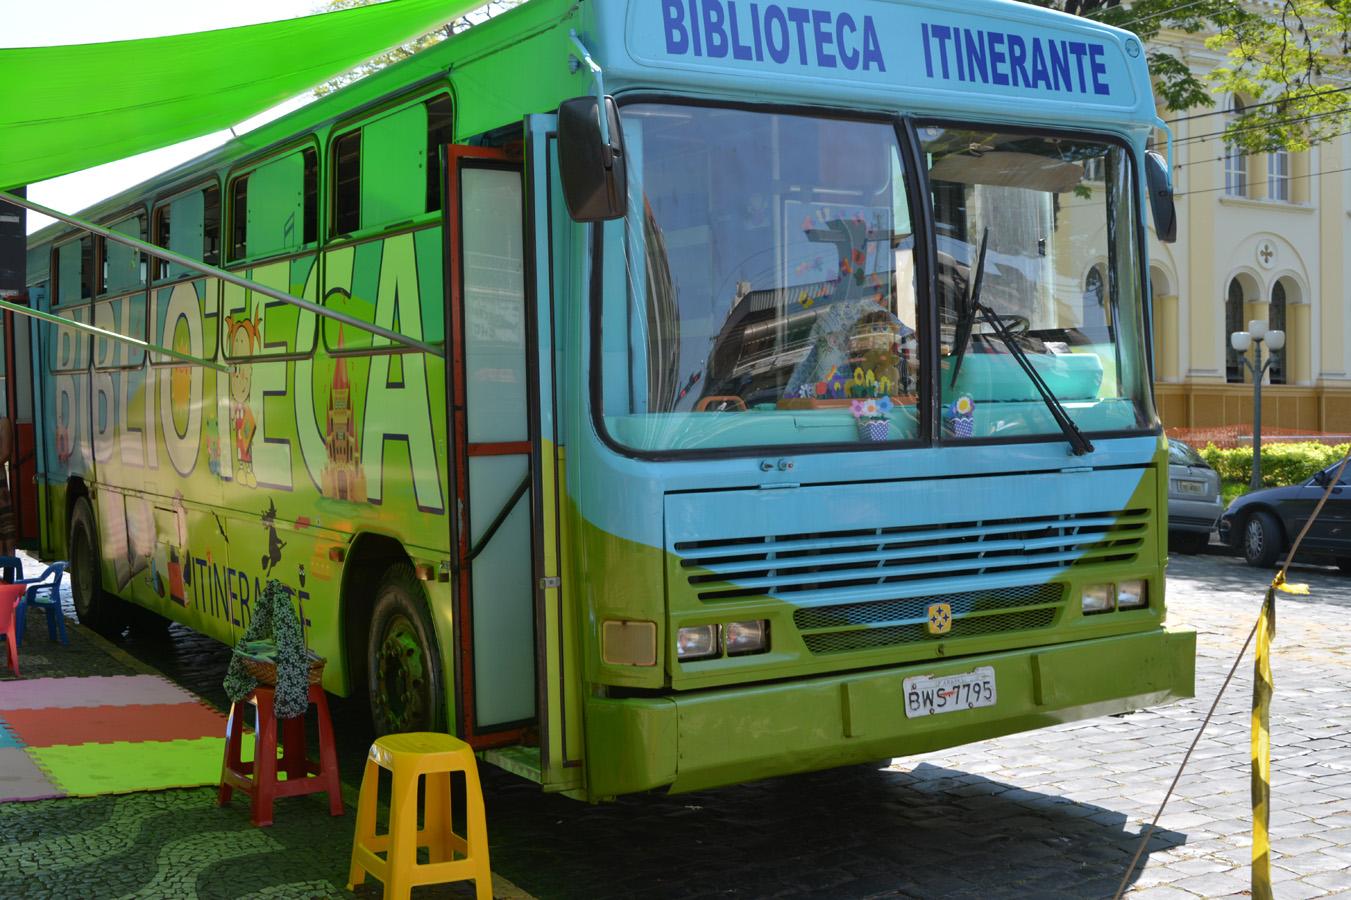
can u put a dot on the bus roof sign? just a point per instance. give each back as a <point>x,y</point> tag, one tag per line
<point>874,43</point>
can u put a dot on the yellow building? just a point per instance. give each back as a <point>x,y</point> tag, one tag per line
<point>1259,237</point>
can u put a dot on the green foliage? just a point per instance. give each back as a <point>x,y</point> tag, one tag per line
<point>1174,82</point>
<point>1288,59</point>
<point>1290,64</point>
<point>1281,463</point>
<point>487,11</point>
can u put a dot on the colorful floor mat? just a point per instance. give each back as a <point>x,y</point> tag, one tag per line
<point>104,735</point>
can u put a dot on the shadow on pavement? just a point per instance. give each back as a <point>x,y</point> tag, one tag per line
<point>858,832</point>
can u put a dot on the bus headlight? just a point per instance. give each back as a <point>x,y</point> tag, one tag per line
<point>697,642</point>
<point>1132,594</point>
<point>747,637</point>
<point>1098,598</point>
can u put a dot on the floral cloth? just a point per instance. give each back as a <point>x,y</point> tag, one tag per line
<point>274,623</point>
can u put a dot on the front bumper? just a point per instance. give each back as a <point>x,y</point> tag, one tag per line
<point>703,739</point>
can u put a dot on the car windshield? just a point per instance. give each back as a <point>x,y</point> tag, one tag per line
<point>768,288</point>
<point>1180,454</point>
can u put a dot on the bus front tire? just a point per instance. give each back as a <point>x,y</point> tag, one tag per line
<point>402,658</point>
<point>95,610</point>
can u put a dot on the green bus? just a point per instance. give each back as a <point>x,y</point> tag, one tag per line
<point>657,394</point>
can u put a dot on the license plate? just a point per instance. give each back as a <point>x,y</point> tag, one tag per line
<point>929,696</point>
<point>1191,487</point>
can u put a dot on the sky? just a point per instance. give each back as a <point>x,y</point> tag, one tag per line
<point>33,23</point>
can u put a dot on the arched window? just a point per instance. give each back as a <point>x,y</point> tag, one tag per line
<point>1276,322</point>
<point>1235,160</point>
<point>1233,321</point>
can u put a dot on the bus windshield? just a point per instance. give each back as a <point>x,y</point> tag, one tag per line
<point>1061,274</point>
<point>769,293</point>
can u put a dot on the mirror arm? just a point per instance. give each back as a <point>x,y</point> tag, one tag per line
<point>1160,123</point>
<point>597,75</point>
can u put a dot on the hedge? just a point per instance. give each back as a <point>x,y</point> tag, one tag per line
<point>1281,463</point>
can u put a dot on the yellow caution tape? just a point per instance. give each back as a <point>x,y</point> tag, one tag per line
<point>1280,585</point>
<point>1261,748</point>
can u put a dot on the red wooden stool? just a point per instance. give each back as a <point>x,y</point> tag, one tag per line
<point>258,778</point>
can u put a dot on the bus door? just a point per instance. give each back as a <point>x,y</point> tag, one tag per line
<point>494,435</point>
<point>18,406</point>
<point>554,238</point>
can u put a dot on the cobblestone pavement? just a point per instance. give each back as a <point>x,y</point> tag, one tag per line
<point>1053,814</point>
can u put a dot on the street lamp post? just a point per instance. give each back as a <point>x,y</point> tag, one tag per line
<point>1241,341</point>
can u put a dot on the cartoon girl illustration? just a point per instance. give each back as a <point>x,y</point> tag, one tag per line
<point>245,337</point>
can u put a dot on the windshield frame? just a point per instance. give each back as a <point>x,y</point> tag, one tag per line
<point>911,156</point>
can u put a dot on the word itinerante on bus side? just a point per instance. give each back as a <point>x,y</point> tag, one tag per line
<point>133,417</point>
<point>783,34</point>
<point>995,57</point>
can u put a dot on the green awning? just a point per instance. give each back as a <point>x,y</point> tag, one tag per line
<point>68,108</point>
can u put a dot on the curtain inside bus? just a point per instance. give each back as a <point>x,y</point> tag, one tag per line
<point>72,107</point>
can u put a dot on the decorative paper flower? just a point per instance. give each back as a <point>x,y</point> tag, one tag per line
<point>868,408</point>
<point>884,405</point>
<point>961,406</point>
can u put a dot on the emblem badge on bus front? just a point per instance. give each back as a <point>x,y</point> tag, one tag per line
<point>940,618</point>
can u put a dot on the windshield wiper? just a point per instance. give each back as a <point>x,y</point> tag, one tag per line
<point>1079,444</point>
<point>966,316</point>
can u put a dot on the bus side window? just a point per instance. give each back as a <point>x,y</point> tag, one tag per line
<point>74,271</point>
<point>188,225</point>
<point>239,218</point>
<point>274,208</point>
<point>440,131</point>
<point>386,172</point>
<point>123,267</point>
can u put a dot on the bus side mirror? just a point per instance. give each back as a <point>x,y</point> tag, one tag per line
<point>591,165</point>
<point>1160,183</point>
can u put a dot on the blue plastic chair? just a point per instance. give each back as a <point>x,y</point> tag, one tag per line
<point>11,569</point>
<point>56,621</point>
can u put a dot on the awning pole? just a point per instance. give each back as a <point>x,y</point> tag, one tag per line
<point>112,336</point>
<point>199,266</point>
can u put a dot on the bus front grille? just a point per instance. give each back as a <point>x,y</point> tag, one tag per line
<point>870,588</point>
<point>861,626</point>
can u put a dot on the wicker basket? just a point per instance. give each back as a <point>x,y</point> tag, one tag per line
<point>264,671</point>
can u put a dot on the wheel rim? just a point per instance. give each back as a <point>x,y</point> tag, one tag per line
<point>401,682</point>
<point>1254,540</point>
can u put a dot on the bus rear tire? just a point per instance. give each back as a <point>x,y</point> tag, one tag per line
<point>403,660</point>
<point>94,609</point>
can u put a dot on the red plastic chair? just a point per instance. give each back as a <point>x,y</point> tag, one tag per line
<point>10,594</point>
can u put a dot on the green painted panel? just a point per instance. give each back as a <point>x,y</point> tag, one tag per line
<point>394,167</point>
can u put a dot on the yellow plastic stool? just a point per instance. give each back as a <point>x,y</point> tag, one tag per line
<point>408,756</point>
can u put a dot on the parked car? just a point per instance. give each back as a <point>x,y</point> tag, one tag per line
<point>1194,503</point>
<point>1263,524</point>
